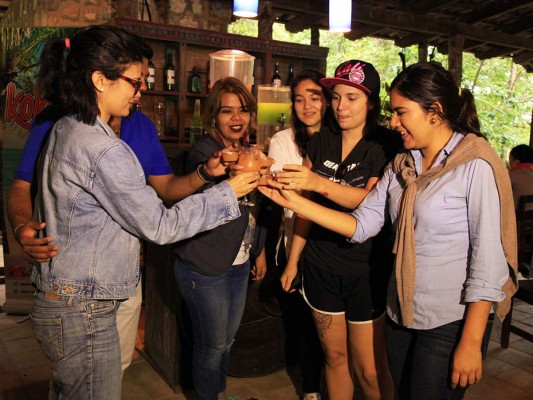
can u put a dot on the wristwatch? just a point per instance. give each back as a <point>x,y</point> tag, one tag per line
<point>203,174</point>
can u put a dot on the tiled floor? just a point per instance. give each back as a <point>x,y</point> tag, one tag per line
<point>24,370</point>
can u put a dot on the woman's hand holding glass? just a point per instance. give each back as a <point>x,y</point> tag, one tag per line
<point>299,177</point>
<point>249,160</point>
<point>244,182</point>
<point>218,163</point>
<point>279,194</point>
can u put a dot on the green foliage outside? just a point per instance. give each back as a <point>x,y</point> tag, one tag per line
<point>503,90</point>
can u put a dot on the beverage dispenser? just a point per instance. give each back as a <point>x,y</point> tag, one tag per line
<point>234,63</point>
<point>274,111</point>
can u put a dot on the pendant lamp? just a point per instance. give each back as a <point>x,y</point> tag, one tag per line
<point>340,15</point>
<point>245,8</point>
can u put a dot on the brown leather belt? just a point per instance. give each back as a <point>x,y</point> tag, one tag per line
<point>51,296</point>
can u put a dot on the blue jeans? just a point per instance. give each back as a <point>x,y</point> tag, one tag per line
<point>420,360</point>
<point>215,304</point>
<point>80,337</point>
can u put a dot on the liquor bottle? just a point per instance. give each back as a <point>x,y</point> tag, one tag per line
<point>291,75</point>
<point>150,79</point>
<point>170,74</point>
<point>196,123</point>
<point>195,82</point>
<point>276,78</point>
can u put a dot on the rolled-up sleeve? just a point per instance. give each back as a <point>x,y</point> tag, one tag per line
<point>488,269</point>
<point>370,214</point>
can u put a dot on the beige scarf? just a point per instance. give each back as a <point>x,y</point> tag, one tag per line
<point>471,147</point>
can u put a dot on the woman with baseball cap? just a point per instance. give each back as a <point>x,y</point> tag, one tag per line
<point>343,283</point>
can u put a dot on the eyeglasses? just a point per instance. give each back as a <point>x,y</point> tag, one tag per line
<point>136,83</point>
<point>341,171</point>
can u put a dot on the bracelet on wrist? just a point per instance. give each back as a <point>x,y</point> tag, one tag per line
<point>203,174</point>
<point>16,229</point>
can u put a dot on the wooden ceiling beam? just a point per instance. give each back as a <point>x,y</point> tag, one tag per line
<point>412,39</point>
<point>523,57</point>
<point>433,26</point>
<point>520,25</point>
<point>308,7</point>
<point>418,7</point>
<point>493,9</point>
<point>360,31</point>
<point>301,22</point>
<point>495,51</point>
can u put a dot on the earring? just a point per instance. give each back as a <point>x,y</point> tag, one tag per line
<point>433,120</point>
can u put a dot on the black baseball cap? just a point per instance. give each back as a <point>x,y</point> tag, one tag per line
<point>356,73</point>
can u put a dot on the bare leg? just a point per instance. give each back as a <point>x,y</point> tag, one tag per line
<point>332,332</point>
<point>369,359</point>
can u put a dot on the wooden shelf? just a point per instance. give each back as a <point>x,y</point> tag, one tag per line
<point>191,47</point>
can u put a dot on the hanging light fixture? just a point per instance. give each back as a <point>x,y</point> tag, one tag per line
<point>340,15</point>
<point>245,8</point>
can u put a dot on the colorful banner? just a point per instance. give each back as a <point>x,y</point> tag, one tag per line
<point>19,54</point>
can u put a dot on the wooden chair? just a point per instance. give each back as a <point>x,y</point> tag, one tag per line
<point>524,225</point>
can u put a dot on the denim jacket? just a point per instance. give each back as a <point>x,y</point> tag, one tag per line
<point>95,201</point>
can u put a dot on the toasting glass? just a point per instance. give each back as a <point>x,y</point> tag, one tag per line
<point>250,161</point>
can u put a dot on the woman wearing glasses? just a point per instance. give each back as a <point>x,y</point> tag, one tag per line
<point>94,198</point>
<point>345,284</point>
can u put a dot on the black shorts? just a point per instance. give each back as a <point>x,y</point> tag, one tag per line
<point>360,299</point>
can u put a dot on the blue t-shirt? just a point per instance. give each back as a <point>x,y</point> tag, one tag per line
<point>137,130</point>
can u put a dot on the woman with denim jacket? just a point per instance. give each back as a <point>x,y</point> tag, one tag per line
<point>93,195</point>
<point>213,267</point>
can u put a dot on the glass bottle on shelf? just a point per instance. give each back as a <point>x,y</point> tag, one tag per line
<point>195,82</point>
<point>150,79</point>
<point>291,75</point>
<point>276,78</point>
<point>170,74</point>
<point>196,123</point>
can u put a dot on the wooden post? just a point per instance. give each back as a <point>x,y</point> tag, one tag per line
<point>266,20</point>
<point>455,57</point>
<point>531,129</point>
<point>315,36</point>
<point>423,51</point>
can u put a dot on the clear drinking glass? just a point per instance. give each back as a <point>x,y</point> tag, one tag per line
<point>250,161</point>
<point>159,118</point>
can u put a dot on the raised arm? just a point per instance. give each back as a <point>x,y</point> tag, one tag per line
<point>336,221</point>
<point>171,188</point>
<point>301,177</point>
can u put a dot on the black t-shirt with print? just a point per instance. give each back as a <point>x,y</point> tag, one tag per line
<point>326,249</point>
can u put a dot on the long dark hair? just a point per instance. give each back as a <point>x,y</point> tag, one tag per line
<point>66,67</point>
<point>301,137</point>
<point>212,107</point>
<point>428,83</point>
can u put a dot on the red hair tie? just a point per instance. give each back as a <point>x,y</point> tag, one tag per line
<point>67,43</point>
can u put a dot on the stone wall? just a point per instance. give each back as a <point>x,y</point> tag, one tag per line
<point>204,14</point>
